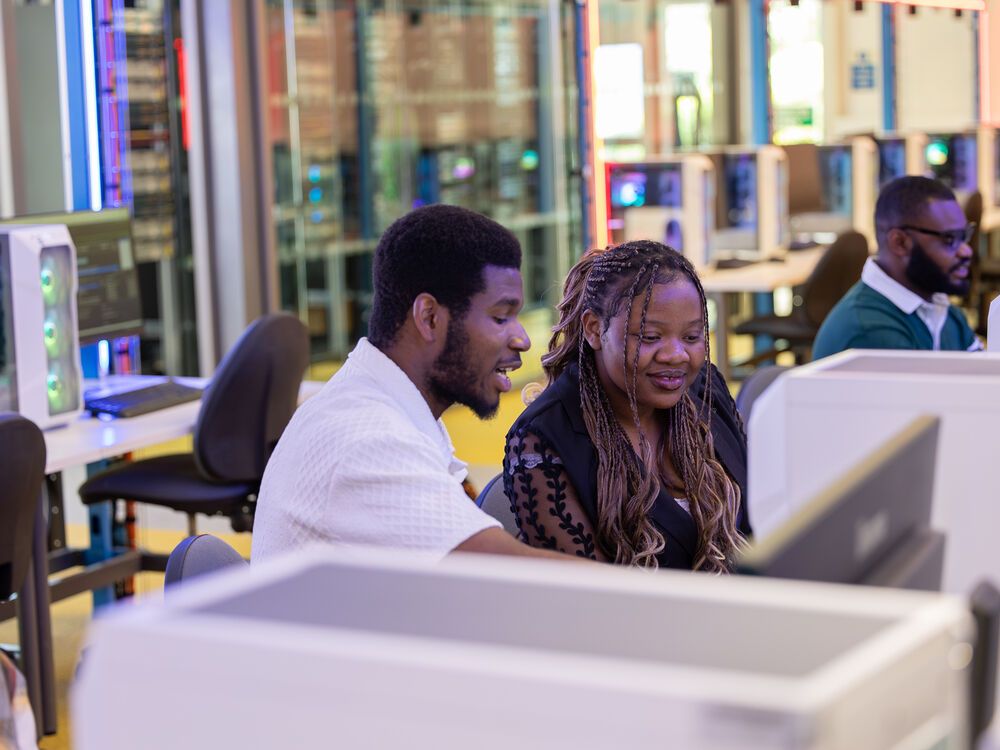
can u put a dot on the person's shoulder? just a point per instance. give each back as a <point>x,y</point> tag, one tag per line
<point>340,409</point>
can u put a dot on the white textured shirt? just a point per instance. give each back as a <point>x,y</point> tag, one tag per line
<point>364,462</point>
<point>933,313</point>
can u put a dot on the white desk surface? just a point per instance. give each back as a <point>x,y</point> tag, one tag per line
<point>88,439</point>
<point>765,276</point>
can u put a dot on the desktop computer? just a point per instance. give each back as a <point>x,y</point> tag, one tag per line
<point>40,375</point>
<point>668,200</point>
<point>633,658</point>
<point>751,210</point>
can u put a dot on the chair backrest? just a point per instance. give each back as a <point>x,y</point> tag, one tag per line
<point>755,384</point>
<point>22,469</point>
<point>493,500</point>
<point>837,271</point>
<point>251,398</point>
<point>805,183</point>
<point>198,555</point>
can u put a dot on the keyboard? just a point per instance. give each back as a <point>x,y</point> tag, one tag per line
<point>141,400</point>
<point>727,263</point>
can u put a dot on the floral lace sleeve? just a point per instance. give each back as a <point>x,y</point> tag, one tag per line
<point>545,504</point>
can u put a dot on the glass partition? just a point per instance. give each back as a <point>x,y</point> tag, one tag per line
<point>376,108</point>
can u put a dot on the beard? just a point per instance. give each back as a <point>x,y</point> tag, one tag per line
<point>925,274</point>
<point>453,379</point>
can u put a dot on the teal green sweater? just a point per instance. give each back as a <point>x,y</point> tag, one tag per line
<point>865,319</point>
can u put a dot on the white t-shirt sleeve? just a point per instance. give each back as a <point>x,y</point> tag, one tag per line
<point>392,490</point>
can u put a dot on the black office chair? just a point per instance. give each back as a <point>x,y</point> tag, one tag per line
<point>837,271</point>
<point>754,386</point>
<point>493,500</point>
<point>22,471</point>
<point>198,555</point>
<point>243,413</point>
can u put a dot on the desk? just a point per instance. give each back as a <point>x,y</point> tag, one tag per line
<point>83,441</point>
<point>765,277</point>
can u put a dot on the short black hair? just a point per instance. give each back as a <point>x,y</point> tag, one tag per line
<point>439,250</point>
<point>904,199</point>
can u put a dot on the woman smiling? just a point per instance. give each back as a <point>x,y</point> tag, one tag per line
<point>634,453</point>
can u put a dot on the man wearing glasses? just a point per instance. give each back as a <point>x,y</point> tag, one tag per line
<point>923,257</point>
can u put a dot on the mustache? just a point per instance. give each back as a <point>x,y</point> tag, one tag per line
<point>960,264</point>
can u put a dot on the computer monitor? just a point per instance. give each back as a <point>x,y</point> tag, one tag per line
<point>891,158</point>
<point>108,299</point>
<point>667,200</point>
<point>870,526</point>
<point>952,158</point>
<point>751,214</point>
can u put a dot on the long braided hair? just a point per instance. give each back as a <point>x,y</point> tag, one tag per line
<point>608,283</point>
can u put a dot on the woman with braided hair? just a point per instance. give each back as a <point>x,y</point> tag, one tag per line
<point>634,453</point>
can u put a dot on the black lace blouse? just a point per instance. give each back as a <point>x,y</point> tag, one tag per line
<point>550,474</point>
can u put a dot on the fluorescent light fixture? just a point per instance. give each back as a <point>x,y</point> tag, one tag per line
<point>90,94</point>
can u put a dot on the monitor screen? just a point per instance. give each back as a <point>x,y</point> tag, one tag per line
<point>891,159</point>
<point>652,184</point>
<point>739,189</point>
<point>835,167</point>
<point>108,300</point>
<point>951,158</point>
<point>871,525</point>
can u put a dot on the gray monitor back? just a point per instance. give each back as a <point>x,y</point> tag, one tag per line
<point>869,526</point>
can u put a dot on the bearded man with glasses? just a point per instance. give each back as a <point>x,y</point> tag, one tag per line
<point>902,300</point>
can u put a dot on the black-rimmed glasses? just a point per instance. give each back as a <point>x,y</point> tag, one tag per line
<point>951,239</point>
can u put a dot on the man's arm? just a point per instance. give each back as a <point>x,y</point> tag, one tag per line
<point>496,541</point>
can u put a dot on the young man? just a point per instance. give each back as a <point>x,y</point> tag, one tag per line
<point>901,301</point>
<point>367,460</point>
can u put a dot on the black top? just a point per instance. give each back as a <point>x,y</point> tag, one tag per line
<point>550,473</point>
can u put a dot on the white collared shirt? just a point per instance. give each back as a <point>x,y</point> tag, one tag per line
<point>364,462</point>
<point>933,313</point>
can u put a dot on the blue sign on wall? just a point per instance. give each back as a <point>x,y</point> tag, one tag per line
<point>862,73</point>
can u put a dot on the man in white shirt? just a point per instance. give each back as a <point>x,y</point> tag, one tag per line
<point>367,461</point>
<point>902,301</point>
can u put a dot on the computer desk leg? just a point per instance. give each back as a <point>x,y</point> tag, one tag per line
<point>46,662</point>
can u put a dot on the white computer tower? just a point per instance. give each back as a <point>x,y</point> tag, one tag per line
<point>864,183</point>
<point>916,153</point>
<point>42,376</point>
